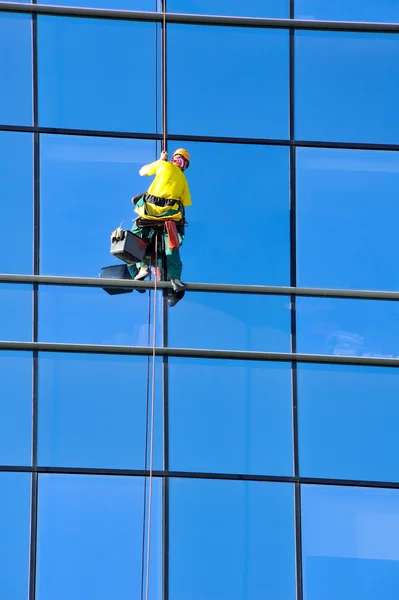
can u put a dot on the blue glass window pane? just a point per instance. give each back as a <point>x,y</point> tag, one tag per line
<point>237,418</point>
<point>16,303</point>
<point>236,8</point>
<point>225,241</point>
<point>16,207</point>
<point>14,538</point>
<point>91,316</point>
<point>231,539</point>
<point>347,213</point>
<point>350,543</point>
<point>15,69</point>
<point>228,82</point>
<point>143,5</point>
<point>92,76</point>
<point>357,406</point>
<point>90,531</point>
<point>348,327</point>
<point>358,100</point>
<point>231,322</point>
<point>386,11</point>
<point>15,408</point>
<point>92,411</point>
<point>86,186</point>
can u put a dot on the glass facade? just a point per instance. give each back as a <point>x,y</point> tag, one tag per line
<point>241,445</point>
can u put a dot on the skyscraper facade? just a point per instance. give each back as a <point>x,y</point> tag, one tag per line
<point>242,444</point>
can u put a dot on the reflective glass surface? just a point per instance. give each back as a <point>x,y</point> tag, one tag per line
<point>16,305</point>
<point>231,539</point>
<point>237,418</point>
<point>238,225</point>
<point>15,69</point>
<point>86,188</point>
<point>15,408</point>
<point>14,538</point>
<point>236,8</point>
<point>348,10</point>
<point>91,316</point>
<point>348,422</point>
<point>16,211</point>
<point>350,543</point>
<point>228,81</point>
<point>231,322</point>
<point>91,75</point>
<point>92,411</point>
<point>347,212</point>
<point>358,100</point>
<point>144,5</point>
<point>348,327</point>
<point>90,531</point>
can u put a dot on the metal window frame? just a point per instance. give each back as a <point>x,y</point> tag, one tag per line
<point>293,357</point>
<point>195,19</point>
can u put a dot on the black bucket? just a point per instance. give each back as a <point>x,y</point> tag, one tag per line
<point>116,272</point>
<point>131,249</point>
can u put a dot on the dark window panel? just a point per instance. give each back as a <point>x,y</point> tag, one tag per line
<point>228,81</point>
<point>348,422</point>
<point>14,538</point>
<point>97,74</point>
<point>230,417</point>
<point>91,316</point>
<point>231,539</point>
<point>347,214</point>
<point>16,165</point>
<point>253,8</point>
<point>86,188</point>
<point>386,11</point>
<point>90,537</point>
<point>16,308</point>
<point>231,322</point>
<point>15,408</point>
<point>238,225</point>
<point>350,543</point>
<point>357,101</point>
<point>347,327</point>
<point>92,411</point>
<point>16,69</point>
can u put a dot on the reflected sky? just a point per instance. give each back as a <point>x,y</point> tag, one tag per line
<point>358,100</point>
<point>348,10</point>
<point>90,536</point>
<point>234,538</point>
<point>348,327</point>
<point>83,68</point>
<point>350,541</point>
<point>91,416</point>
<point>346,218</point>
<point>252,8</point>
<point>237,417</point>
<point>230,96</point>
<point>348,422</point>
<point>14,538</point>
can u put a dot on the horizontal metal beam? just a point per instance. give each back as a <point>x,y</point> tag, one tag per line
<point>249,355</point>
<point>215,288</point>
<point>200,475</point>
<point>209,139</point>
<point>195,19</point>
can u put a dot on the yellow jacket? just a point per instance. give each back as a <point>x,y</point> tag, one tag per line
<point>170,181</point>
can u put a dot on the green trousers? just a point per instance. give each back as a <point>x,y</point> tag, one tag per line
<point>174,264</point>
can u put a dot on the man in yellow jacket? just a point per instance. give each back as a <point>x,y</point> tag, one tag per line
<point>165,201</point>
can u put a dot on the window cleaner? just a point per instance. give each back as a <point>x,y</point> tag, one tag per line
<point>163,207</point>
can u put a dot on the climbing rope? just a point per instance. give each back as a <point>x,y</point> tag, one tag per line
<point>153,374</point>
<point>154,340</point>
